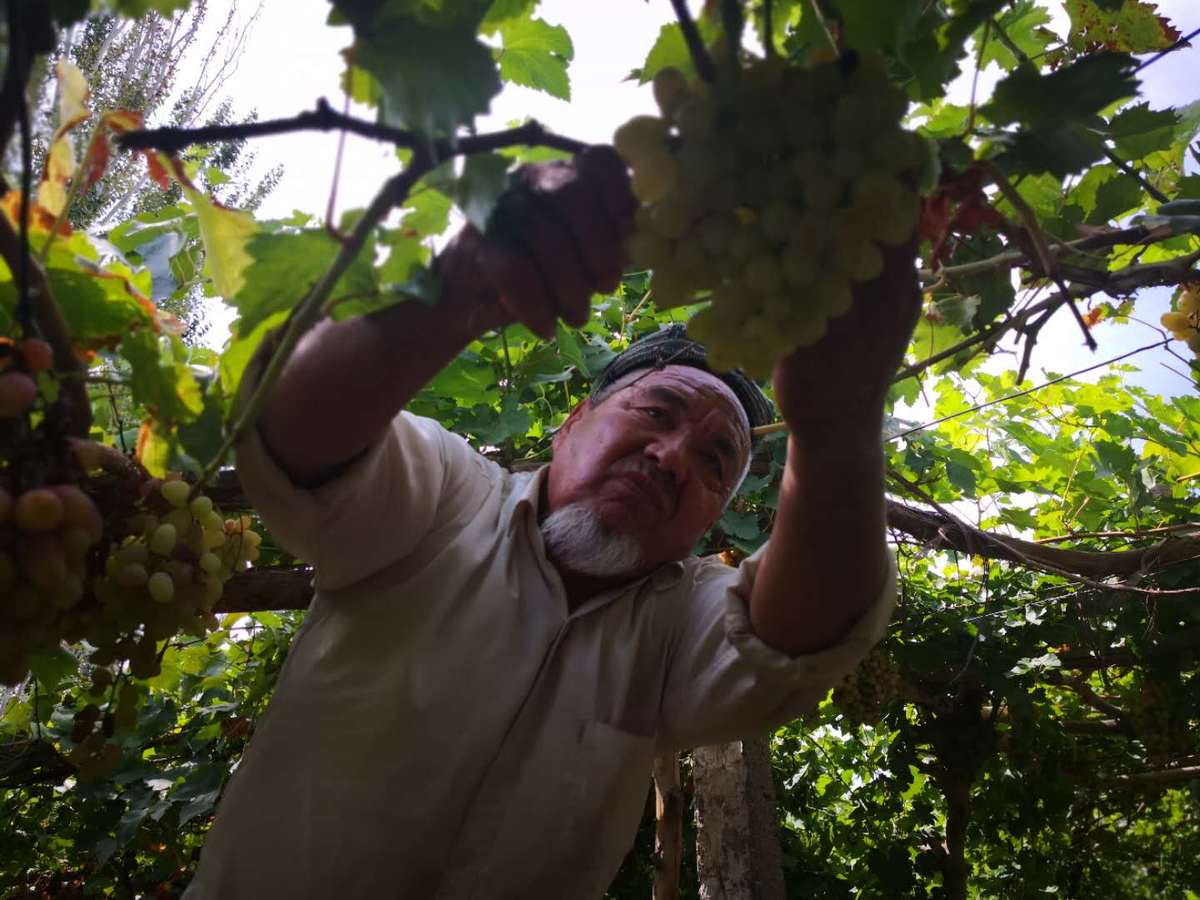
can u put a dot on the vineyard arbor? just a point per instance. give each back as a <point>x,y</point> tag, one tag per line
<point>1029,724</point>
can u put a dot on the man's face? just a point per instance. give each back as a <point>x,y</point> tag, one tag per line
<point>656,460</point>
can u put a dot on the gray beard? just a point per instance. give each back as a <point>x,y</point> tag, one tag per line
<point>580,543</point>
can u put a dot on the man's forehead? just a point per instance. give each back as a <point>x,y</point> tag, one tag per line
<point>690,385</point>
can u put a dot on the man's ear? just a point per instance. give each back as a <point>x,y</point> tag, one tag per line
<point>581,409</point>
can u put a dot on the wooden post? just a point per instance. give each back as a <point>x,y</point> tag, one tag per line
<point>668,831</point>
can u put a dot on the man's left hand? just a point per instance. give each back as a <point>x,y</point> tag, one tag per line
<point>837,387</point>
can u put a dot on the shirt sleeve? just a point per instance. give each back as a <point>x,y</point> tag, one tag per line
<point>417,478</point>
<point>723,682</point>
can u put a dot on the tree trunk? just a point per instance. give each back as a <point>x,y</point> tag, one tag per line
<point>668,836</point>
<point>737,829</point>
<point>955,870</point>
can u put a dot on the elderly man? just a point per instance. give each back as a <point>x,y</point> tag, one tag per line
<point>492,660</point>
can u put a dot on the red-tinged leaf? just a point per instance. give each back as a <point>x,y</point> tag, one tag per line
<point>935,217</point>
<point>1093,317</point>
<point>40,218</point>
<point>974,215</point>
<point>95,161</point>
<point>158,172</point>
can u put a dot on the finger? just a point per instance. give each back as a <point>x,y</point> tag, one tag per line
<point>602,166</point>
<point>557,258</point>
<point>520,286</point>
<point>593,239</point>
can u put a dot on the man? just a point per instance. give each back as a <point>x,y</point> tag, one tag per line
<point>491,660</point>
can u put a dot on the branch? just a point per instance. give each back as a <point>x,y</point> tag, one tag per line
<point>1047,260</point>
<point>1120,283</point>
<point>325,118</point>
<point>705,67</point>
<point>1151,780</point>
<point>30,32</point>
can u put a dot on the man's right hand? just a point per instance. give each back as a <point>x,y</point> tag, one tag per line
<point>555,240</point>
<point>347,380</point>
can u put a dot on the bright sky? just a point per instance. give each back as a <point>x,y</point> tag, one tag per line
<point>292,58</point>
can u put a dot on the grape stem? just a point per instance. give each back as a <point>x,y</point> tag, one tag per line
<point>705,67</point>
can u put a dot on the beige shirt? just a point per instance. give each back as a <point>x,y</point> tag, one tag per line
<point>443,726</point>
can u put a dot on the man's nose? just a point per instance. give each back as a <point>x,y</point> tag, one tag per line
<point>669,452</point>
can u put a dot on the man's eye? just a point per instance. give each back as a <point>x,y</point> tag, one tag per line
<point>654,412</point>
<point>716,464</point>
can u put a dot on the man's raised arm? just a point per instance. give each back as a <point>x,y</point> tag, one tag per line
<point>348,379</point>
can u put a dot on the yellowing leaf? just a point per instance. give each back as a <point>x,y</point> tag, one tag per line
<point>60,166</point>
<point>73,94</point>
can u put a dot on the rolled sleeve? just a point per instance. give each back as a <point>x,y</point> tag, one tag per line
<point>724,682</point>
<point>416,476</point>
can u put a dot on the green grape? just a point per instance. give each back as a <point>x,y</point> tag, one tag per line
<point>799,267</point>
<point>649,250</point>
<point>859,261</point>
<point>747,242</point>
<point>670,89</point>
<point>699,167</point>
<point>175,492</point>
<point>715,233</point>
<point>161,587</point>
<point>803,128</point>
<point>201,506</point>
<point>848,163</point>
<point>696,120</point>
<point>776,220</point>
<point>671,217</point>
<point>163,541</point>
<point>640,137</point>
<point>832,295</point>
<point>653,176</point>
<point>180,518</point>
<point>764,274</point>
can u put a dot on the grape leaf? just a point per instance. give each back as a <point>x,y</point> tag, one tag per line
<point>1139,130</point>
<point>671,50</point>
<point>1115,196</point>
<point>536,55</point>
<point>1131,27</point>
<point>870,25</point>
<point>936,44</point>
<point>1073,93</point>
<point>283,268</point>
<point>1025,23</point>
<point>434,75</point>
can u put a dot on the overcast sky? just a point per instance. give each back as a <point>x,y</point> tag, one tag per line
<point>292,58</point>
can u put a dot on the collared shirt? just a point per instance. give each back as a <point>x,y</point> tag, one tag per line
<point>444,725</point>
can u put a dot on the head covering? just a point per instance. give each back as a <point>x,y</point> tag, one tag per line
<point>671,346</point>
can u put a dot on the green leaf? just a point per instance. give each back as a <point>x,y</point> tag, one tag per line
<point>159,378</point>
<point>1061,151</point>
<point>536,55</point>
<point>1024,23</point>
<point>284,267</point>
<point>671,50</point>
<point>1070,94</point>
<point>51,667</point>
<point>870,25</point>
<point>1114,197</point>
<point>484,179</point>
<point>937,43</point>
<point>1138,130</point>
<point>428,212</point>
<point>434,76</point>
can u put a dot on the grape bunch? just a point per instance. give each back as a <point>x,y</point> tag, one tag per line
<point>165,575</point>
<point>770,192</point>
<point>1184,321</point>
<point>66,574</point>
<point>863,694</point>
